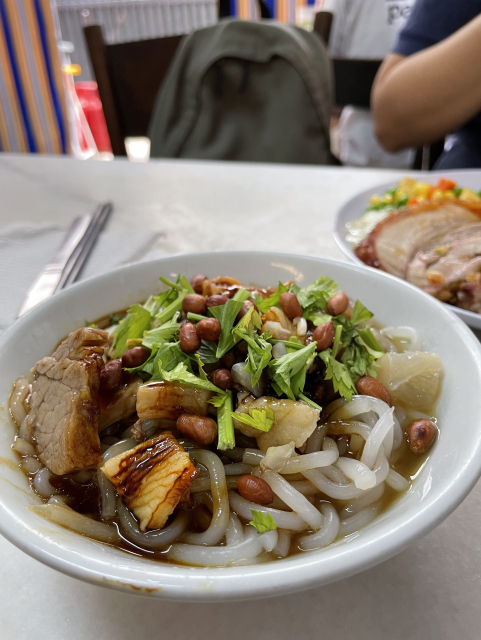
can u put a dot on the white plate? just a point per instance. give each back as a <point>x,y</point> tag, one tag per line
<point>443,482</point>
<point>356,206</point>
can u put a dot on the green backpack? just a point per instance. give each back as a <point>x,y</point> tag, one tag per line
<point>247,91</point>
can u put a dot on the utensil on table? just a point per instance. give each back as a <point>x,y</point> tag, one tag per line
<point>72,254</point>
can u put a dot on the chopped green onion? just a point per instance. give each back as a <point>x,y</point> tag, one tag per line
<point>225,424</point>
<point>195,316</point>
<point>241,295</point>
<point>308,401</point>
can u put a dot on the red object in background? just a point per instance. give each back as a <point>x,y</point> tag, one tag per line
<point>89,98</point>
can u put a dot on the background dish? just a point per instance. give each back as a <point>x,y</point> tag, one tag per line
<point>446,478</point>
<point>356,206</point>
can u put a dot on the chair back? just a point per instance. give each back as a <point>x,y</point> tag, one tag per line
<point>128,76</point>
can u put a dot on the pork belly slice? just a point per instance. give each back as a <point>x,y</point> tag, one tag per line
<point>161,399</point>
<point>451,270</point>
<point>395,241</point>
<point>152,478</point>
<point>118,405</point>
<point>293,421</point>
<point>64,412</point>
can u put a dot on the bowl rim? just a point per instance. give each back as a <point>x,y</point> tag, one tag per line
<point>296,573</point>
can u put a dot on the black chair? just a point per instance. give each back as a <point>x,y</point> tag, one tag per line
<point>128,76</point>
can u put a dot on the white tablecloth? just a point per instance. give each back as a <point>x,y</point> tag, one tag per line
<point>432,591</point>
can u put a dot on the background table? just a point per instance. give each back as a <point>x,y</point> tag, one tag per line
<point>429,592</point>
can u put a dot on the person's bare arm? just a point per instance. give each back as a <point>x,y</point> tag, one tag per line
<point>420,98</point>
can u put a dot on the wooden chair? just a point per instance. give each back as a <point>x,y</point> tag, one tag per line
<point>129,76</point>
<point>322,25</point>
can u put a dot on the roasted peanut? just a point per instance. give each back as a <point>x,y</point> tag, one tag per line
<point>324,335</point>
<point>209,329</point>
<point>198,428</point>
<point>216,300</point>
<point>337,304</point>
<point>197,283</point>
<point>222,378</point>
<point>255,490</point>
<point>368,386</point>
<point>421,435</point>
<point>245,308</point>
<point>290,305</point>
<point>135,357</point>
<point>111,375</point>
<point>188,338</point>
<point>194,303</point>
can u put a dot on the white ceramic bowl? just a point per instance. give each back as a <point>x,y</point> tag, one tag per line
<point>450,472</point>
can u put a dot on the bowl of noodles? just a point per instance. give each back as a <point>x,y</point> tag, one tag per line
<point>233,425</point>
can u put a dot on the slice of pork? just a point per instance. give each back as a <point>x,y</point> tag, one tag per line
<point>396,240</point>
<point>450,271</point>
<point>64,412</point>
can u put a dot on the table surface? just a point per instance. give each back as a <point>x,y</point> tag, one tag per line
<point>430,591</point>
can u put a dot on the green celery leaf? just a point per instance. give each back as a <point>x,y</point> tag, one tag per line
<point>163,333</point>
<point>360,313</point>
<point>250,321</point>
<point>225,424</point>
<point>289,371</point>
<point>166,358</point>
<point>226,314</point>
<point>264,304</point>
<point>181,374</point>
<point>317,293</point>
<point>263,522</point>
<point>367,338</point>
<point>317,317</point>
<point>133,326</point>
<point>207,352</point>
<point>292,344</point>
<point>339,374</point>
<point>242,295</point>
<point>218,400</point>
<point>261,419</point>
<point>202,373</point>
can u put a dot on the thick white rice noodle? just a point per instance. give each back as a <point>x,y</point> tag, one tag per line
<point>23,447</point>
<point>253,456</point>
<point>313,460</point>
<point>204,483</point>
<point>283,543</point>
<point>396,481</point>
<point>283,519</point>
<point>336,475</point>
<point>235,531</point>
<point>304,487</point>
<point>381,433</point>
<point>413,338</point>
<point>328,531</point>
<point>295,500</point>
<point>158,539</point>
<point>250,547</point>
<point>107,491</point>
<point>314,442</point>
<point>349,428</point>
<point>67,517</point>
<point>364,500</point>
<point>332,489</point>
<point>42,485</point>
<point>220,516</point>
<point>20,392</point>
<point>237,469</point>
<point>359,520</point>
<point>357,471</point>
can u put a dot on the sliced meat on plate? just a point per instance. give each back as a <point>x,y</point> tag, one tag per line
<point>451,270</point>
<point>396,240</point>
<point>64,412</point>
